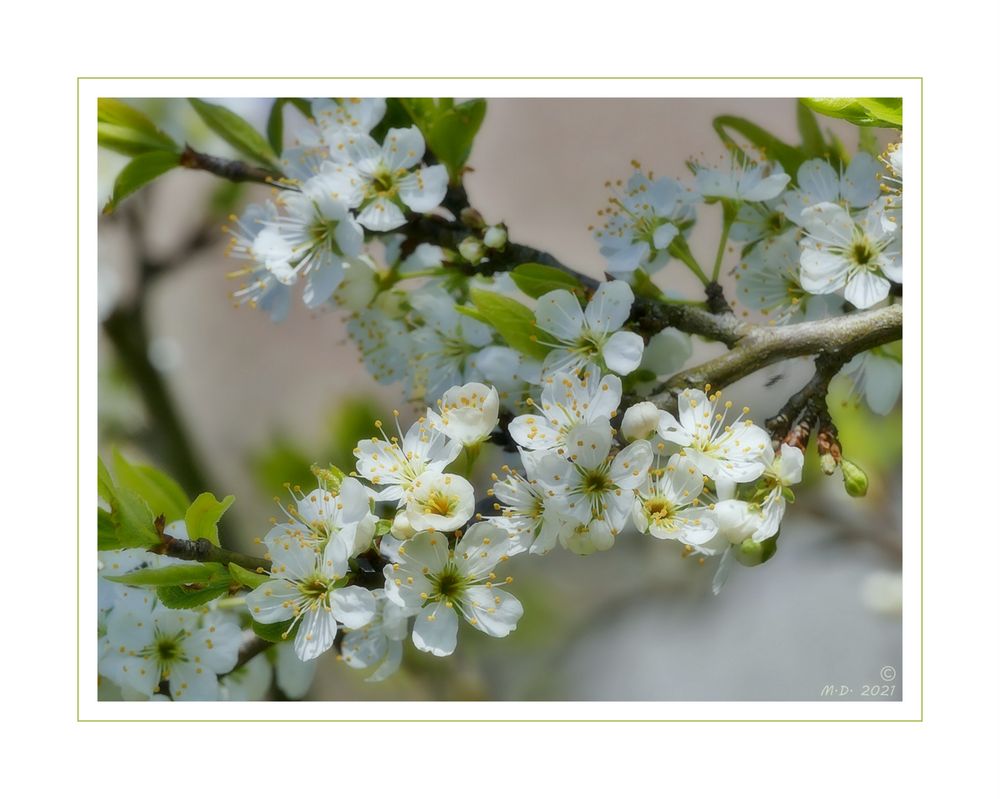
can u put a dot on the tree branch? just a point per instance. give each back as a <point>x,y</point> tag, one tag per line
<point>840,338</point>
<point>236,171</point>
<point>204,551</point>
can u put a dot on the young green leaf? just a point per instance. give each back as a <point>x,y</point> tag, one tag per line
<point>161,492</point>
<point>473,313</point>
<point>812,136</point>
<point>202,518</point>
<point>107,538</point>
<point>134,521</point>
<point>538,279</point>
<point>270,632</point>
<point>105,485</point>
<point>178,574</point>
<point>883,112</point>
<point>453,132</point>
<point>125,129</point>
<point>513,321</point>
<point>138,172</point>
<point>246,577</point>
<point>236,131</point>
<point>181,597</point>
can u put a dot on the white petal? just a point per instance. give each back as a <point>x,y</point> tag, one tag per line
<point>403,147</point>
<point>829,224</point>
<point>822,272</point>
<point>883,382</point>
<point>629,468</point>
<point>860,184</point>
<point>322,282</point>
<point>767,189</point>
<point>491,610</point>
<point>353,606</point>
<point>865,289</point>
<point>623,352</point>
<point>558,313</point>
<point>610,306</point>
<point>381,215</point>
<point>436,630</point>
<point>818,182</point>
<point>424,189</point>
<point>317,630</point>
<point>272,601</point>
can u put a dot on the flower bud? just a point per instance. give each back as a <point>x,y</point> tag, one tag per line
<point>754,553</point>
<point>828,464</point>
<point>855,479</point>
<point>640,421</point>
<point>472,250</point>
<point>495,237</point>
<point>472,218</point>
<point>401,527</point>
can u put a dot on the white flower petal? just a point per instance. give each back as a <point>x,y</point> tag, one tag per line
<point>436,630</point>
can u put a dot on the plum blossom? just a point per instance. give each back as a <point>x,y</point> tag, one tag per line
<point>438,584</point>
<point>592,336</point>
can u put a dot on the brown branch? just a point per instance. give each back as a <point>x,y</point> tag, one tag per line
<point>839,338</point>
<point>236,171</point>
<point>204,551</point>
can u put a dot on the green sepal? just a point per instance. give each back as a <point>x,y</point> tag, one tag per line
<point>271,632</point>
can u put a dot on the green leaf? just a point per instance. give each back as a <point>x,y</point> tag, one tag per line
<point>161,492</point>
<point>270,632</point>
<point>134,521</point>
<point>105,485</point>
<point>124,129</point>
<point>246,577</point>
<point>883,112</point>
<point>452,134</point>
<point>868,142</point>
<point>179,574</point>
<point>181,597</point>
<point>812,137</point>
<point>236,131</point>
<point>138,172</point>
<point>202,518</point>
<point>473,313</point>
<point>538,279</point>
<point>107,537</point>
<point>276,120</point>
<point>513,321</point>
<point>771,146</point>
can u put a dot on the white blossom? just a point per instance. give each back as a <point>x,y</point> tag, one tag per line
<point>818,182</point>
<point>592,336</point>
<point>394,464</point>
<point>640,224</point>
<point>858,257</point>
<point>439,583</point>
<point>751,182</point>
<point>640,421</point>
<point>469,413</point>
<point>260,288</point>
<point>878,377</point>
<point>440,501</point>
<point>303,589</point>
<point>323,514</point>
<point>669,506</point>
<point>725,451</point>
<point>378,642</point>
<point>147,644</point>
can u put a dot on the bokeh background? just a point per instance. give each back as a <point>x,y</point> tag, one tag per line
<point>257,402</point>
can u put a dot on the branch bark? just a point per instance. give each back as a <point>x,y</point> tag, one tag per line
<point>840,338</point>
<point>236,171</point>
<point>204,551</point>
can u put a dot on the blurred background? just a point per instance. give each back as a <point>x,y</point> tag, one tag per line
<point>227,401</point>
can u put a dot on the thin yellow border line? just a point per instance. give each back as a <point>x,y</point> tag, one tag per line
<point>492,721</point>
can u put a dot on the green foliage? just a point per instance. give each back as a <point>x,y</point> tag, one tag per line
<point>131,521</point>
<point>182,597</point>
<point>161,492</point>
<point>236,131</point>
<point>126,130</point>
<point>246,577</point>
<point>538,279</point>
<point>177,574</point>
<point>138,172</point>
<point>449,129</point>
<point>881,112</point>
<point>202,518</point>
<point>270,632</point>
<point>107,538</point>
<point>813,145</point>
<point>513,321</point>
<point>276,120</point>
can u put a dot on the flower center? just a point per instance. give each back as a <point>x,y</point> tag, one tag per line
<point>439,503</point>
<point>449,583</point>
<point>659,508</point>
<point>862,253</point>
<point>383,182</point>
<point>314,588</point>
<point>596,483</point>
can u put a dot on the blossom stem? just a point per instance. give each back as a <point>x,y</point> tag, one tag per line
<point>204,551</point>
<point>728,217</point>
